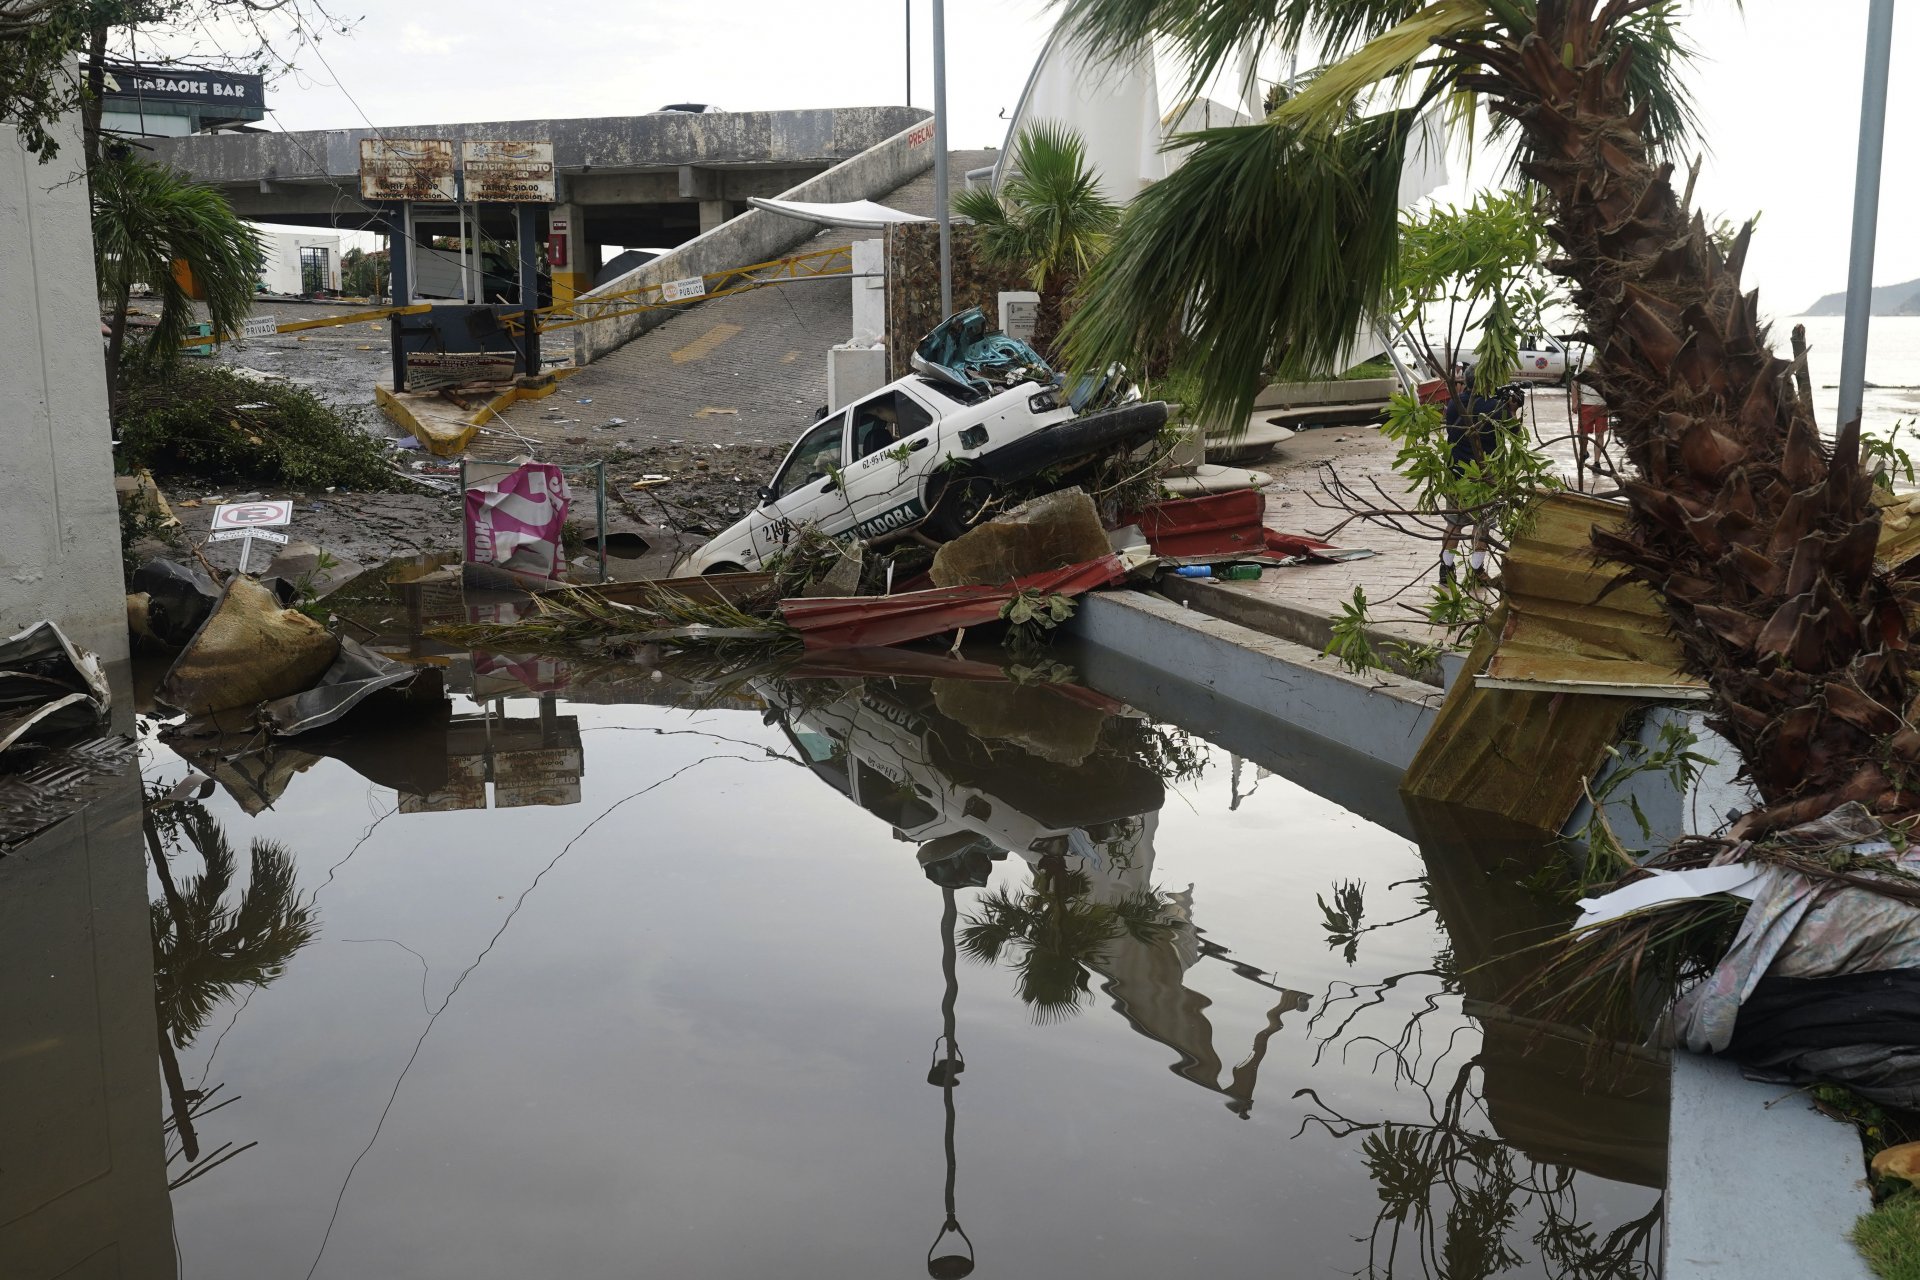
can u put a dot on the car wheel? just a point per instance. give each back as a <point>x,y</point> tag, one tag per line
<point>957,504</point>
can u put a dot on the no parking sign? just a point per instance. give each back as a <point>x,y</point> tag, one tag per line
<point>252,515</point>
<point>246,520</point>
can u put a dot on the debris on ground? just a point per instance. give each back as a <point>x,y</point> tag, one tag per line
<point>1806,947</point>
<point>1049,532</point>
<point>168,601</point>
<point>48,686</point>
<point>251,649</point>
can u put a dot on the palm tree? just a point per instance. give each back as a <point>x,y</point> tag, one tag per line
<point>1059,933</point>
<point>1276,239</point>
<point>1048,219</point>
<point>204,950</point>
<point>146,219</point>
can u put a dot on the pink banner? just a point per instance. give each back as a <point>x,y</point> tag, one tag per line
<point>515,521</point>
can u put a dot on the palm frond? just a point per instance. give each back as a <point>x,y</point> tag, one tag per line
<point>1049,218</point>
<point>1211,35</point>
<point>1331,96</point>
<point>1265,252</point>
<point>147,217</point>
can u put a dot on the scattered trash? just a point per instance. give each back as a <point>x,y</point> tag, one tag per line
<point>407,442</point>
<point>249,650</point>
<point>650,480</point>
<point>515,518</point>
<point>1194,571</point>
<point>584,400</point>
<point>175,600</point>
<point>48,686</point>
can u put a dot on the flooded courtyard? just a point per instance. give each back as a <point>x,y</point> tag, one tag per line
<point>824,971</point>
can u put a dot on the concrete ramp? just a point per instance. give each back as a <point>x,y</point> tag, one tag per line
<point>757,235</point>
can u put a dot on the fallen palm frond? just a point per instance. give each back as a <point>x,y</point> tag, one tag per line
<point>573,620</point>
<point>1616,975</point>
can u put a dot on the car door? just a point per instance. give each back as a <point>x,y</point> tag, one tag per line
<point>805,490</point>
<point>891,437</point>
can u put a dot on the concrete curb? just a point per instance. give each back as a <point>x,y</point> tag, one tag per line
<point>1759,1184</point>
<point>1383,717</point>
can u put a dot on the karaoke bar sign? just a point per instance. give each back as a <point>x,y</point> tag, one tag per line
<point>184,84</point>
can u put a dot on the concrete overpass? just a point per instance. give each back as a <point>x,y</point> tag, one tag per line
<point>655,180</point>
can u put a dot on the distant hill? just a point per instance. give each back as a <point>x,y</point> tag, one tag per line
<point>1888,300</point>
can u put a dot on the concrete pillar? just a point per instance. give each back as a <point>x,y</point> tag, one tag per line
<point>712,214</point>
<point>575,276</point>
<point>59,521</point>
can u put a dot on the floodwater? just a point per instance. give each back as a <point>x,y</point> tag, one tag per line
<point>835,975</point>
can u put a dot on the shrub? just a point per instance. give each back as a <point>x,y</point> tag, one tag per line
<point>210,421</point>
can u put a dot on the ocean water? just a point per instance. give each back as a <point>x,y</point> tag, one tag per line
<point>1893,368</point>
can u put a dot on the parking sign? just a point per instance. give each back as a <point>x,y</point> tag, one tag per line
<point>252,515</point>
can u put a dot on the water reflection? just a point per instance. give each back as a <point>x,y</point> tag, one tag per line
<point>206,950</point>
<point>710,929</point>
<point>83,1184</point>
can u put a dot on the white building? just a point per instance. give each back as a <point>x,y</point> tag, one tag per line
<point>299,263</point>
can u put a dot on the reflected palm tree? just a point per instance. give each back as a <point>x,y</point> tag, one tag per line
<point>1453,1198</point>
<point>205,949</point>
<point>1057,933</point>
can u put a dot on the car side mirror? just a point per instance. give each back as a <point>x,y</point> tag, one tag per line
<point>767,494</point>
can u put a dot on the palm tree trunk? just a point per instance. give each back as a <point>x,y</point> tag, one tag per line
<point>1758,536</point>
<point>116,346</point>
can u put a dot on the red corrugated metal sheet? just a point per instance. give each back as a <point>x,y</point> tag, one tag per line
<point>1218,524</point>
<point>846,622</point>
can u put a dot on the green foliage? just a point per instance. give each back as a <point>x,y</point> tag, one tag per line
<point>1349,642</point>
<point>191,419</point>
<point>1476,267</point>
<point>364,274</point>
<point>146,217</point>
<point>141,519</point>
<point>1889,461</point>
<point>1259,257</point>
<point>1497,490</point>
<point>1671,754</point>
<point>1274,241</point>
<point>1048,218</point>
<point>1031,617</point>
<point>1889,1237</point>
<point>36,88</point>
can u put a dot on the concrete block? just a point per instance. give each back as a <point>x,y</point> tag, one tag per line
<point>853,372</point>
<point>1050,532</point>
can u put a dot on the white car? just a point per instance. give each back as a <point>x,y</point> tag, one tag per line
<point>923,456</point>
<point>1543,357</point>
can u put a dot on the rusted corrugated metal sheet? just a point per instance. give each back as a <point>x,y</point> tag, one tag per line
<point>847,622</point>
<point>1565,630</point>
<point>407,169</point>
<point>1522,755</point>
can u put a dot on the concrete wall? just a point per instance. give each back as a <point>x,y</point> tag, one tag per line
<point>1379,716</point>
<point>757,235</point>
<point>281,272</point>
<point>59,523</point>
<point>596,145</point>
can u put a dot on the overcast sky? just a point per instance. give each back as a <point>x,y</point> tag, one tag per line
<point>1778,88</point>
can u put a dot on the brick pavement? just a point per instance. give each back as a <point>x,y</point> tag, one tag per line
<point>1397,580</point>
